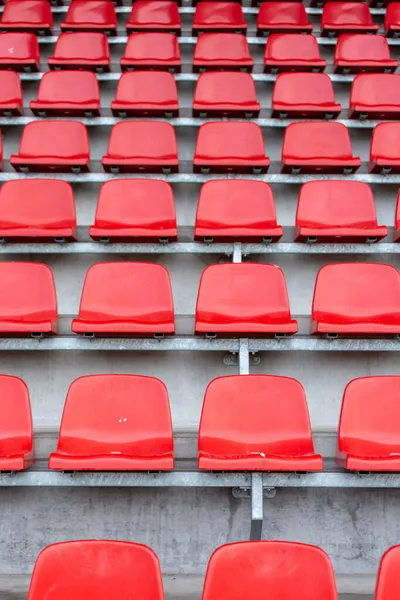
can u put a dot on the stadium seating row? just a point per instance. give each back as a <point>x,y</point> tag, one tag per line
<point>241,428</point>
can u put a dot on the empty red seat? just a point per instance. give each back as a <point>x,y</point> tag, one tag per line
<point>130,430</point>
<point>27,15</point>
<point>375,96</point>
<point>223,94</point>
<point>63,93</point>
<point>146,93</point>
<point>56,146</point>
<point>356,53</point>
<point>282,17</point>
<point>218,17</point>
<point>91,15</point>
<point>96,569</point>
<point>387,583</point>
<point>81,50</point>
<point>28,302</point>
<point>292,52</point>
<point>217,51</point>
<point>25,55</point>
<point>337,211</point>
<point>346,17</point>
<point>300,95</point>
<point>135,210</point>
<point>16,447</point>
<point>146,50</point>
<point>385,149</point>
<point>142,146</point>
<point>242,429</point>
<point>10,94</point>
<point>139,301</point>
<point>244,299</point>
<point>392,20</point>
<point>37,209</point>
<point>356,299</point>
<point>369,427</point>
<point>154,15</point>
<point>236,210</point>
<point>318,147</point>
<point>230,147</point>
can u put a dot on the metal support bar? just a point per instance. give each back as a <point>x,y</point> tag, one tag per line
<point>244,359</point>
<point>237,252</point>
<point>257,506</point>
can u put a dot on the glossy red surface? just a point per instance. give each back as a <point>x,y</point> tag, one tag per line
<point>347,17</point>
<point>146,93</point>
<point>152,51</point>
<point>218,16</point>
<point>356,53</point>
<point>91,15</point>
<point>392,19</point>
<point>64,93</point>
<point>282,17</point>
<point>16,435</point>
<point>25,55</point>
<point>27,15</point>
<point>223,94</point>
<point>376,95</point>
<point>10,93</point>
<point>154,15</point>
<point>292,52</point>
<point>385,148</point>
<point>387,583</point>
<point>81,50</point>
<point>228,51</point>
<point>302,95</point>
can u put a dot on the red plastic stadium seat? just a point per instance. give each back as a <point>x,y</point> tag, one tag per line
<point>356,53</point>
<point>135,210</point>
<point>96,569</point>
<point>396,236</point>
<point>222,51</point>
<point>236,210</point>
<point>392,20</point>
<point>242,429</point>
<point>375,96</point>
<point>282,17</point>
<point>357,299</point>
<point>388,575</point>
<point>146,93</point>
<point>230,147</point>
<point>28,302</point>
<point>27,15</point>
<point>243,299</point>
<point>154,15</point>
<point>25,55</point>
<point>81,50</point>
<point>337,211</point>
<point>346,17</point>
<point>10,94</point>
<point>91,15</point>
<point>145,50</point>
<point>55,146</point>
<point>72,93</point>
<point>300,95</point>
<point>318,147</point>
<point>41,209</point>
<point>225,94</point>
<point>138,302</point>
<point>385,149</point>
<point>142,146</point>
<point>130,430</point>
<point>16,447</point>
<point>292,52</point>
<point>219,17</point>
<point>369,430</point>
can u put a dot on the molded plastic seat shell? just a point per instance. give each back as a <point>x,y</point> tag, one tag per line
<point>135,210</point>
<point>337,211</point>
<point>292,52</point>
<point>346,17</point>
<point>146,93</point>
<point>282,17</point>
<point>142,146</point>
<point>25,55</point>
<point>81,50</point>
<point>369,430</point>
<point>356,53</point>
<point>96,569</point>
<point>10,94</point>
<point>154,15</point>
<point>396,236</point>
<point>220,94</point>
<point>103,440</point>
<point>63,93</point>
<point>241,427</point>
<point>138,302</point>
<point>300,95</point>
<point>392,20</point>
<point>375,96</point>
<point>236,210</point>
<point>219,17</point>
<point>55,146</point>
<point>16,444</point>
<point>230,147</point>
<point>385,149</point>
<point>387,582</point>
<point>37,210</point>
<point>91,15</point>
<point>146,50</point>
<point>217,51</point>
<point>243,299</point>
<point>27,15</point>
<point>318,147</point>
<point>357,299</point>
<point>28,302</point>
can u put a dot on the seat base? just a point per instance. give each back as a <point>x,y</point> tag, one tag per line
<point>100,66</point>
<point>225,110</point>
<point>144,165</point>
<point>10,109</point>
<point>126,109</point>
<point>245,65</point>
<point>246,329</point>
<point>253,462</point>
<point>238,234</point>
<point>284,28</point>
<point>354,329</point>
<point>134,234</point>
<point>10,328</point>
<point>47,165</point>
<point>378,113</point>
<point>198,29</point>
<point>224,165</point>
<point>384,66</point>
<point>64,109</point>
<point>134,28</point>
<point>362,463</point>
<point>305,111</point>
<point>23,66</point>
<point>18,462</point>
<point>384,166</point>
<point>313,165</point>
<point>336,30</point>
<point>37,28</point>
<point>327,235</point>
<point>109,29</point>
<point>295,66</point>
<point>146,65</point>
<point>30,234</point>
<point>120,328</point>
<point>105,462</point>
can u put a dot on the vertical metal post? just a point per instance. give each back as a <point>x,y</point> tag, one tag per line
<point>257,507</point>
<point>237,252</point>
<point>244,358</point>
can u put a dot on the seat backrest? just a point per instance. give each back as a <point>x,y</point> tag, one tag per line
<point>374,89</point>
<point>340,13</point>
<point>231,86</point>
<point>77,86</point>
<point>302,88</point>
<point>385,142</point>
<point>281,46</point>
<point>356,46</point>
<point>222,45</point>
<point>134,86</point>
<point>90,45</point>
<point>60,139</point>
<point>282,12</point>
<point>230,140</point>
<point>388,580</point>
<point>146,45</point>
<point>317,139</point>
<point>25,45</point>
<point>16,433</point>
<point>141,139</point>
